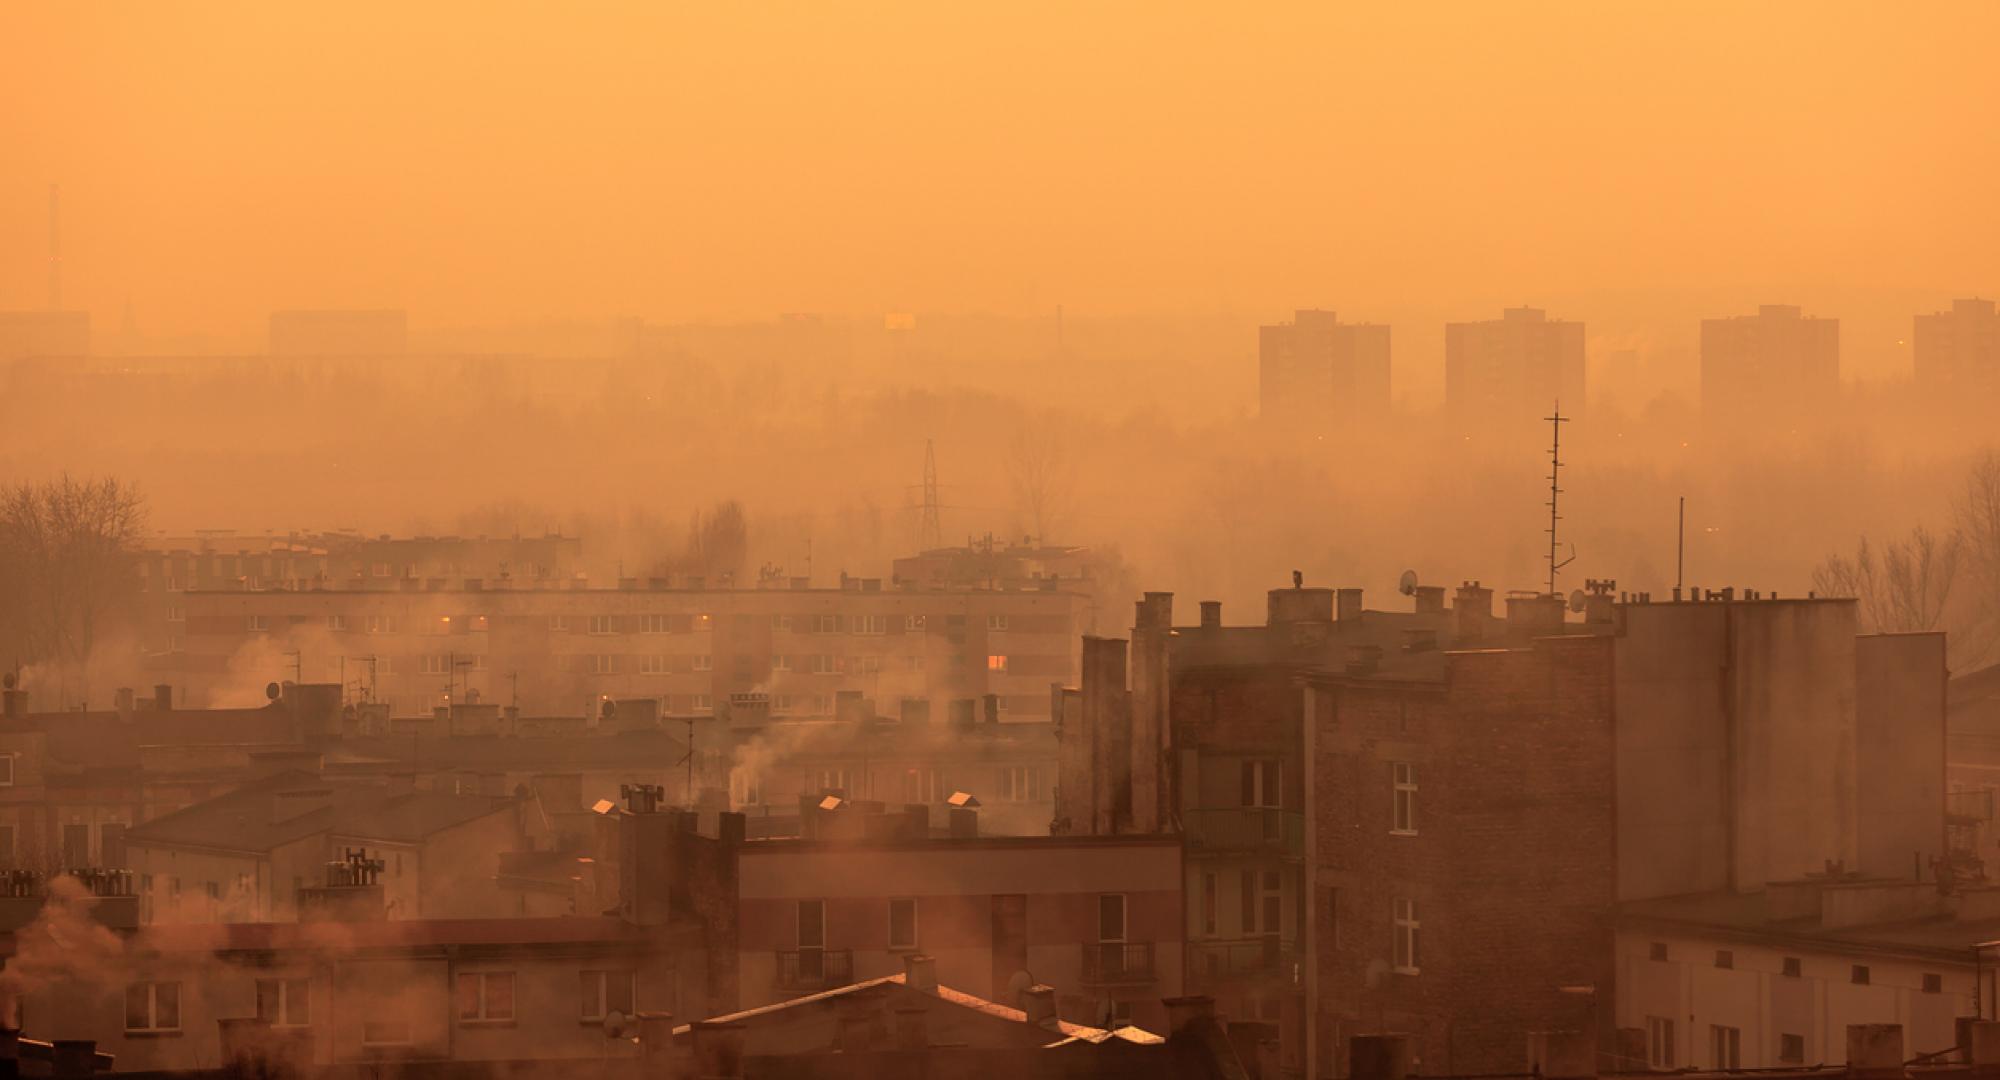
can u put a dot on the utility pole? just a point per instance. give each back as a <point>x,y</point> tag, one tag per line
<point>1680,546</point>
<point>1556,421</point>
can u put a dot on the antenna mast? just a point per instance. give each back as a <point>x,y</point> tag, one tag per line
<point>932,535</point>
<point>1556,421</point>
<point>55,247</point>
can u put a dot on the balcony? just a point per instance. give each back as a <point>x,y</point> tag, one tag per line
<point>1118,963</point>
<point>1247,958</point>
<point>808,971</point>
<point>1246,829</point>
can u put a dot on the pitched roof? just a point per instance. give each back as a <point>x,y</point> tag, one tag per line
<point>1062,1030</point>
<point>246,819</point>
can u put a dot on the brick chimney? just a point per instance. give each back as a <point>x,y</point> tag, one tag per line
<point>1348,604</point>
<point>920,972</point>
<point>1211,614</point>
<point>1472,613</point>
<point>1039,1002</point>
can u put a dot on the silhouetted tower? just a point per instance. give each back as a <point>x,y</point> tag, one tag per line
<point>1556,421</point>
<point>55,247</point>
<point>932,535</point>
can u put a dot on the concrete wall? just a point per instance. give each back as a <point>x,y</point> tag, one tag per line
<point>1899,688</point>
<point>1757,998</point>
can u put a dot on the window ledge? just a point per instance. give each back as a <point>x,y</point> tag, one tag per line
<point>488,1023</point>
<point>1402,832</point>
<point>154,1033</point>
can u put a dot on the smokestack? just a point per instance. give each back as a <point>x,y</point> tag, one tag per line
<point>1211,614</point>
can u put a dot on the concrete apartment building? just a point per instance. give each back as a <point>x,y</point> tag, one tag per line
<point>563,650</point>
<point>1957,352</point>
<point>347,334</point>
<point>1778,360</point>
<point>1516,367</point>
<point>1318,373</point>
<point>1098,919</point>
<point>1400,819</point>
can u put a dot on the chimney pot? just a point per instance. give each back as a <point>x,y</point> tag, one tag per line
<point>1039,1002</point>
<point>1211,614</point>
<point>920,972</point>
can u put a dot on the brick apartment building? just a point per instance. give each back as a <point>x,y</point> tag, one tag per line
<point>563,649</point>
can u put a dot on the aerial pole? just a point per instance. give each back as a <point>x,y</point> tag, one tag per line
<point>931,536</point>
<point>1680,546</point>
<point>1556,421</point>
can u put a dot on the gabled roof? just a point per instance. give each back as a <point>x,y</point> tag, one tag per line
<point>244,820</point>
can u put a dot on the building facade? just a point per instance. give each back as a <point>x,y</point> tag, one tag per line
<point>1776,361</point>
<point>1515,367</point>
<point>1318,373</point>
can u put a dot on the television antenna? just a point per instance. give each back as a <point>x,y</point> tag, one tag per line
<point>1556,421</point>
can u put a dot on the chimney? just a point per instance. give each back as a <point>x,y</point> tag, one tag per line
<point>1472,612</point>
<point>1039,1002</point>
<point>1875,1050</point>
<point>1349,604</point>
<point>1378,1057</point>
<point>1561,1055</point>
<point>1298,605</point>
<point>731,827</point>
<point>1430,599</point>
<point>718,1050</point>
<point>122,700</point>
<point>964,823</point>
<point>913,1028</point>
<point>1534,615</point>
<point>1155,612</point>
<point>920,972</point>
<point>13,702</point>
<point>163,696</point>
<point>1183,1011</point>
<point>1211,614</point>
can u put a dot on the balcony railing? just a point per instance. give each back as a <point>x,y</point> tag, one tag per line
<point>1247,829</point>
<point>1118,963</point>
<point>811,970</point>
<point>1256,957</point>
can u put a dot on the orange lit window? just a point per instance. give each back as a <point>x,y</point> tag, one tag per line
<point>996,663</point>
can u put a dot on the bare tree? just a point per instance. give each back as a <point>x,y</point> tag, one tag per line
<point>1977,514</point>
<point>1043,476</point>
<point>1906,588</point>
<point>67,545</point>
<point>718,541</point>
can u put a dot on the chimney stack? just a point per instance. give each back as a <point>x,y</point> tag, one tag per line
<point>920,972</point>
<point>1211,614</point>
<point>1472,612</point>
<point>1039,1002</point>
<point>1348,604</point>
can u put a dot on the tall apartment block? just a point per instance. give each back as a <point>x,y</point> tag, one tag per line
<point>1778,358</point>
<point>1517,366</point>
<point>1958,351</point>
<point>1316,369</point>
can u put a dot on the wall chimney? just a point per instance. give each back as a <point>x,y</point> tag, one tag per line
<point>1211,614</point>
<point>1156,611</point>
<point>1039,1002</point>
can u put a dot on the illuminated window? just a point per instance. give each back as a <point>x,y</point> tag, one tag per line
<point>996,663</point>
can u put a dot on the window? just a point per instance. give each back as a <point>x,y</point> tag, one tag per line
<point>257,624</point>
<point>1111,917</point>
<point>701,703</point>
<point>1725,1047</point>
<point>1659,1042</point>
<point>703,622</point>
<point>478,624</point>
<point>780,662</point>
<point>996,622</point>
<point>1791,1049</point>
<point>153,1006</point>
<point>1261,901</point>
<point>913,624</point>
<point>1791,967</point>
<point>923,786</point>
<point>997,664</point>
<point>1261,783</point>
<point>602,993</point>
<point>902,924</point>
<point>1208,902</point>
<point>826,665</point>
<point>603,664</point>
<point>864,665</point>
<point>781,623</point>
<point>432,664</point>
<point>1859,975</point>
<point>654,664</point>
<point>914,663</point>
<point>1403,777</point>
<point>1725,959</point>
<point>812,925</point>
<point>284,1002</point>
<point>485,997</point>
<point>869,624</point>
<point>746,788</point>
<point>826,624</point>
<point>835,780</point>
<point>6,845</point>
<point>381,624</point>
<point>176,613</point>
<point>781,703</point>
<point>111,843</point>
<point>1408,955</point>
<point>704,662</point>
<point>76,844</point>
<point>1933,983</point>
<point>603,624</point>
<point>6,770</point>
<point>1021,783</point>
<point>1656,951</point>
<point>380,569</point>
<point>336,623</point>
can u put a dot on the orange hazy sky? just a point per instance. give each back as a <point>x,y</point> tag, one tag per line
<point>482,163</point>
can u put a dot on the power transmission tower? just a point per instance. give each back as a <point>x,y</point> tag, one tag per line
<point>1555,493</point>
<point>931,535</point>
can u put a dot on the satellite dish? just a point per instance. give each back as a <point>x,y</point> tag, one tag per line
<point>1577,600</point>
<point>619,1026</point>
<point>1018,984</point>
<point>272,690</point>
<point>1407,584</point>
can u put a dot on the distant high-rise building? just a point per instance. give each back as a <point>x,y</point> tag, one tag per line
<point>1316,368</point>
<point>44,333</point>
<point>340,333</point>
<point>1958,351</point>
<point>1514,365</point>
<point>1770,360</point>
